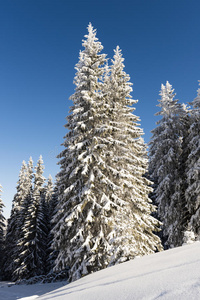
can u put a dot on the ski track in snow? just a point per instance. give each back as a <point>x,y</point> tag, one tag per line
<point>169,275</point>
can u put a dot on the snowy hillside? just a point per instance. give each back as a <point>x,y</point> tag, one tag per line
<point>173,274</point>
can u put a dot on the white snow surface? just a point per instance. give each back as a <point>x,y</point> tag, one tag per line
<point>9,291</point>
<point>171,274</point>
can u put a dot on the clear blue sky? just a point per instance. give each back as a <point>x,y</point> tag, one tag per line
<point>39,47</point>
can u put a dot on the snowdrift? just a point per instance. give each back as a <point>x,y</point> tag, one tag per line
<point>171,274</point>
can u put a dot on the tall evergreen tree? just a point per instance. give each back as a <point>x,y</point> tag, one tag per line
<point>165,156</point>
<point>134,226</point>
<point>2,228</point>
<point>75,233</point>
<point>92,210</point>
<point>193,168</point>
<point>31,261</point>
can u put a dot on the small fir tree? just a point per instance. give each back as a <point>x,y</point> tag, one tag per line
<point>50,210</point>
<point>22,217</point>
<point>14,226</point>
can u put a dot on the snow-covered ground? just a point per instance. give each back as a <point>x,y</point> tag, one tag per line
<point>26,292</point>
<point>171,274</point>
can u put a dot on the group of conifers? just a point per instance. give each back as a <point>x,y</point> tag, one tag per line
<point>111,201</point>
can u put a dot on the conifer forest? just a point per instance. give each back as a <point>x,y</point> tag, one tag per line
<point>114,198</point>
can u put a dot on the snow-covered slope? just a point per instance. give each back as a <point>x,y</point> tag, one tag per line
<point>171,274</point>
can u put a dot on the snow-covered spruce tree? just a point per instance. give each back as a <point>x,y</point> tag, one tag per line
<point>21,216</point>
<point>193,169</point>
<point>2,228</point>
<point>92,212</point>
<point>79,225</point>
<point>164,168</point>
<point>14,226</point>
<point>33,243</point>
<point>125,161</point>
